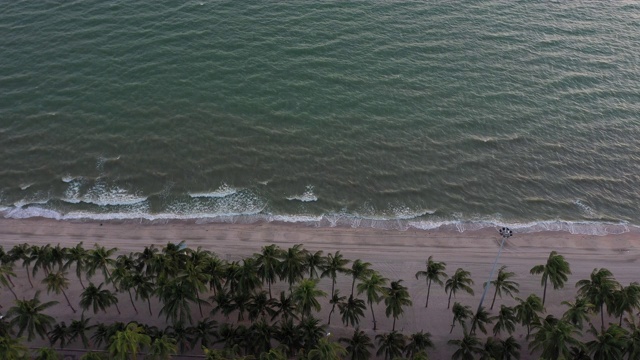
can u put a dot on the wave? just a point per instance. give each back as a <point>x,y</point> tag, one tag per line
<point>223,191</point>
<point>307,196</point>
<point>336,220</point>
<point>101,195</point>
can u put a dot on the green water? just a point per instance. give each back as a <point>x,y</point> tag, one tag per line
<point>393,115</point>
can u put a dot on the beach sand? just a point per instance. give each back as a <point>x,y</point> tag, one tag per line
<point>395,254</point>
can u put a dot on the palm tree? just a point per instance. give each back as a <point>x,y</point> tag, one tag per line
<point>194,275</point>
<point>77,255</point>
<point>22,252</point>
<point>216,268</point>
<point>261,334</point>
<point>162,348</point>
<point>103,333</point>
<point>433,273</point>
<point>205,332</point>
<point>555,270</point>
<point>359,271</point>
<point>292,267</point>
<point>510,348</point>
<point>418,342</point>
<point>505,320</point>
<point>287,334</point>
<point>527,311</point>
<point>609,344</point>
<point>99,258</point>
<point>626,299</point>
<point>268,264</point>
<point>599,290</point>
<point>247,276</point>
<point>373,287</point>
<point>396,297</point>
<point>504,284</point>
<point>42,258</point>
<point>391,345</point>
<point>305,296</point>
<point>144,288</point>
<point>310,332</point>
<point>468,347</point>
<point>554,337</point>
<point>176,295</point>
<point>461,280</point>
<point>78,329</point>
<point>145,260</point>
<point>260,306</point>
<point>128,343</point>
<point>335,264</point>
<point>181,334</point>
<point>480,319</point>
<point>46,354</point>
<point>578,311</point>
<point>352,310</point>
<point>358,345</point>
<point>28,316</point>
<point>57,282</point>
<point>11,348</point>
<point>633,339</point>
<point>285,307</point>
<point>492,349</point>
<point>6,272</point>
<point>314,261</point>
<point>122,275</point>
<point>460,314</point>
<point>336,299</point>
<point>60,333</point>
<point>326,350</point>
<point>98,298</point>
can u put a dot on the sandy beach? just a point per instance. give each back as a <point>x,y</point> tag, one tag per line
<point>395,254</point>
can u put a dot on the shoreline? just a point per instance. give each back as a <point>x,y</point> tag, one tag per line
<point>395,254</point>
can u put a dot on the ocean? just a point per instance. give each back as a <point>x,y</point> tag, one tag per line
<point>387,114</point>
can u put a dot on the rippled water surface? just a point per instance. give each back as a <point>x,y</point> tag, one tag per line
<point>389,114</point>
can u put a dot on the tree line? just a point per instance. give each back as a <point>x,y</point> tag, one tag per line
<point>262,324</point>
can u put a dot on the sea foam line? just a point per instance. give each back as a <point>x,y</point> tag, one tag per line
<point>341,220</point>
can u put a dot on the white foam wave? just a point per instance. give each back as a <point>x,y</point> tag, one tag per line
<point>101,194</point>
<point>307,196</point>
<point>25,186</point>
<point>69,178</point>
<point>223,191</point>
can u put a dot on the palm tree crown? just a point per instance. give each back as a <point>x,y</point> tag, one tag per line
<point>555,270</point>
<point>433,274</point>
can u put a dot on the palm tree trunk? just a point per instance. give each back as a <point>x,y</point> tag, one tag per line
<point>353,284</point>
<point>330,313</point>
<point>149,303</point>
<point>449,304</point>
<point>29,276</point>
<point>453,324</point>
<point>373,316</point>
<point>428,292</point>
<point>393,328</point>
<point>199,302</point>
<point>11,282</point>
<point>131,298</point>
<point>68,302</point>
<point>494,298</point>
<point>268,284</point>
<point>13,292</point>
<point>333,286</point>
<point>81,283</point>
<point>117,308</point>
<point>108,279</point>
<point>602,316</point>
<point>544,293</point>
